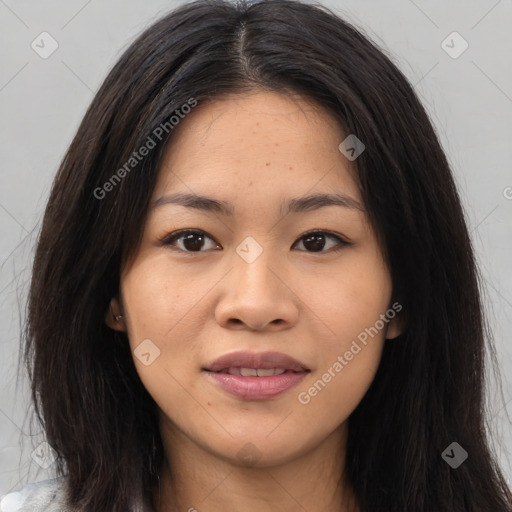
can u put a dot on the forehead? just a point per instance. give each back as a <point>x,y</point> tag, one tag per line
<point>262,143</point>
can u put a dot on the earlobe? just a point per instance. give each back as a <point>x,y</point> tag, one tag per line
<point>395,328</point>
<point>114,317</point>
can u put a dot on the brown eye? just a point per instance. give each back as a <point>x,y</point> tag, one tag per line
<point>316,241</point>
<point>188,240</point>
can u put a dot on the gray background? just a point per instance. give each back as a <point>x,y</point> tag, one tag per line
<point>42,101</point>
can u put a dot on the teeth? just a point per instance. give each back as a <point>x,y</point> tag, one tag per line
<point>255,372</point>
<point>248,372</point>
<point>265,372</point>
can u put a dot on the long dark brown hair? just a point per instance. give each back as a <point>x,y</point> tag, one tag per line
<point>429,389</point>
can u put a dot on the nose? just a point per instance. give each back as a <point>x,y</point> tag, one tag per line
<point>257,296</point>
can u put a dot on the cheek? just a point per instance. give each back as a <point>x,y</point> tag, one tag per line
<point>348,298</point>
<point>351,306</point>
<point>160,300</point>
<point>335,391</point>
<point>163,304</point>
<point>348,360</point>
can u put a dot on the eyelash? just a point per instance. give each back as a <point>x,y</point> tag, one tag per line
<point>171,238</point>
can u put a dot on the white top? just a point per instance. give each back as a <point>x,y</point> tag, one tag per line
<point>44,496</point>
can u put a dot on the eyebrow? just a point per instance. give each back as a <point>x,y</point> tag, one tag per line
<point>295,205</point>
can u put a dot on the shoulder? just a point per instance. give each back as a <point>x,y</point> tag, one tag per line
<point>44,496</point>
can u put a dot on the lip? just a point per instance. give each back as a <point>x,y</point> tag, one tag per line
<point>256,388</point>
<point>246,359</point>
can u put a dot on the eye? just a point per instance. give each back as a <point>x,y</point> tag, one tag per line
<point>190,241</point>
<point>315,241</point>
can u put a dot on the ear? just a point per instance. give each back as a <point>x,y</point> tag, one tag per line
<point>396,327</point>
<point>115,316</point>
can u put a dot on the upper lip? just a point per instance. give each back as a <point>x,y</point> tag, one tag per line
<point>246,359</point>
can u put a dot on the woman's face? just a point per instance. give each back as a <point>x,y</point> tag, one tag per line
<point>251,282</point>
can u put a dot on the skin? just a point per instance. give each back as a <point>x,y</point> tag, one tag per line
<point>255,151</point>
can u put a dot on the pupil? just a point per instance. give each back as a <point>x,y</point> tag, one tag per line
<point>190,246</point>
<point>318,242</point>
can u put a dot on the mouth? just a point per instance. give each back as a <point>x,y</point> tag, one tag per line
<point>255,372</point>
<point>256,376</point>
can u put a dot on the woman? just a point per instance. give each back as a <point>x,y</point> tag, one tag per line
<point>254,287</point>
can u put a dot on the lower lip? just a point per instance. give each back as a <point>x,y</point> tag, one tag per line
<point>257,388</point>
